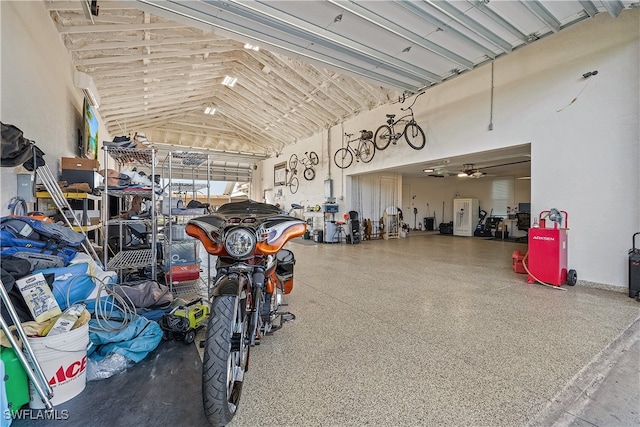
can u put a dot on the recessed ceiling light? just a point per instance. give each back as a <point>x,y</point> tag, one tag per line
<point>252,47</point>
<point>427,170</point>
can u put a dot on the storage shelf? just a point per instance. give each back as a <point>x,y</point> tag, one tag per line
<point>70,196</point>
<point>139,258</point>
<point>181,187</point>
<point>131,192</point>
<point>131,259</point>
<point>193,288</point>
<point>86,228</point>
<point>129,221</point>
<point>189,159</point>
<point>132,155</point>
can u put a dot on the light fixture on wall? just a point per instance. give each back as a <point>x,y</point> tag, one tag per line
<point>84,82</point>
<point>210,109</point>
<point>229,81</point>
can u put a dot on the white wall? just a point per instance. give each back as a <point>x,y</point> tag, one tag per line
<point>585,153</point>
<point>37,93</point>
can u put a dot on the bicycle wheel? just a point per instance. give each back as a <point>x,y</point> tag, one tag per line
<point>314,158</point>
<point>293,162</point>
<point>367,150</point>
<point>309,174</point>
<point>293,186</point>
<point>383,136</point>
<point>414,136</point>
<point>343,158</point>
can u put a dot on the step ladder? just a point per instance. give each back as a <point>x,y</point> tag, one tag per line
<point>61,202</point>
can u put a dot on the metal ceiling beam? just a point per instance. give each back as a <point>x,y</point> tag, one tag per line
<point>481,30</point>
<point>614,7</point>
<point>419,10</point>
<point>314,35</point>
<point>359,9</point>
<point>202,20</point>
<point>482,7</point>
<point>543,14</point>
<point>589,7</point>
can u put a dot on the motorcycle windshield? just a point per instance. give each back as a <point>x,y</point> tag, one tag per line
<point>248,207</point>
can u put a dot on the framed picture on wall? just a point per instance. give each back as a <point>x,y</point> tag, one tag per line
<point>280,174</point>
<point>90,132</point>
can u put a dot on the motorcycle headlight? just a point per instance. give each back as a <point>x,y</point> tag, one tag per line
<point>240,242</point>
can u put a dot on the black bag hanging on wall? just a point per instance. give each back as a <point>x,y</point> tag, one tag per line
<point>18,150</point>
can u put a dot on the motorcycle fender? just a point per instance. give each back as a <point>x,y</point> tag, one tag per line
<point>230,285</point>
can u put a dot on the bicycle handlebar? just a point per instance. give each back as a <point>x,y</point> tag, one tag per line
<point>413,103</point>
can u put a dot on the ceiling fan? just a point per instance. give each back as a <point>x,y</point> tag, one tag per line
<point>469,171</point>
<point>438,171</point>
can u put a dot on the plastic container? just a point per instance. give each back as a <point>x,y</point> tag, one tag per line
<point>516,262</point>
<point>63,359</point>
<point>15,380</point>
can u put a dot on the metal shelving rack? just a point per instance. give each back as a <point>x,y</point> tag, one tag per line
<point>139,258</point>
<point>183,163</point>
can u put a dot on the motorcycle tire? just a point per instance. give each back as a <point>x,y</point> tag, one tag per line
<point>226,355</point>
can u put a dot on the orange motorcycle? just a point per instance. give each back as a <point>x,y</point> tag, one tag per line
<point>253,274</point>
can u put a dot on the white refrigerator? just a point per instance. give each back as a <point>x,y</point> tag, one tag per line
<point>465,216</point>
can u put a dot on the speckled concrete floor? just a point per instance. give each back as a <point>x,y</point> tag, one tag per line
<point>426,330</point>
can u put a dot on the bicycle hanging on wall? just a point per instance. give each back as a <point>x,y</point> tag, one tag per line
<point>364,151</point>
<point>413,133</point>
<point>292,181</point>
<point>309,160</point>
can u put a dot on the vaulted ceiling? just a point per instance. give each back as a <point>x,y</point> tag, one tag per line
<point>158,64</point>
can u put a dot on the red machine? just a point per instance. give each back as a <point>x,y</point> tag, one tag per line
<point>547,259</point>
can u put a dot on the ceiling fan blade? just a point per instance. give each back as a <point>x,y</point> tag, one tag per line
<point>506,164</point>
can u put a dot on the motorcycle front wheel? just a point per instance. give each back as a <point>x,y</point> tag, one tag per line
<point>226,355</point>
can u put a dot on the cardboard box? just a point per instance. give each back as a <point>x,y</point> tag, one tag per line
<point>79,164</point>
